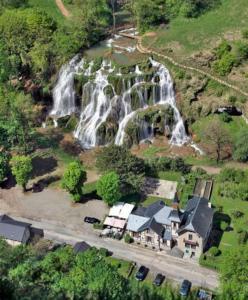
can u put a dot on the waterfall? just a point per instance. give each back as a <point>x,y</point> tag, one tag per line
<point>103,106</point>
<point>63,92</point>
<point>167,96</point>
<point>96,111</point>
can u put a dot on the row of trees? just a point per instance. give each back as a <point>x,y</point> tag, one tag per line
<point>32,273</point>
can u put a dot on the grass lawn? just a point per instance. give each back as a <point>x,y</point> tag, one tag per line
<point>123,266</point>
<point>151,199</point>
<point>170,175</point>
<point>50,7</point>
<point>186,36</point>
<point>230,238</point>
<point>233,127</point>
<point>152,151</point>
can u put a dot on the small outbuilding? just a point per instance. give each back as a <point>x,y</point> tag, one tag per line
<point>14,232</point>
<point>81,247</point>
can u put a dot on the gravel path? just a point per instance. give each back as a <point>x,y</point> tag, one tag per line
<point>62,8</point>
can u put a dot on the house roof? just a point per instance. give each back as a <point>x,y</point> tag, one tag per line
<point>155,207</point>
<point>154,226</point>
<point>121,210</point>
<point>135,222</point>
<point>115,222</point>
<point>175,215</point>
<point>126,211</point>
<point>116,209</point>
<point>12,229</point>
<point>81,247</point>
<point>197,217</point>
<point>162,216</point>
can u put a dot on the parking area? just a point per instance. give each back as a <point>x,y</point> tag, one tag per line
<point>53,205</point>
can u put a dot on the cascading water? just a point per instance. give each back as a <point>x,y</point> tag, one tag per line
<point>63,92</point>
<point>105,109</point>
<point>167,96</point>
<point>96,111</point>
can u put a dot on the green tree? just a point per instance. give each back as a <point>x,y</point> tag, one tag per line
<point>131,169</point>
<point>218,137</point>
<point>241,146</point>
<point>108,187</point>
<point>73,180</point>
<point>21,167</point>
<point>234,273</point>
<point>4,160</point>
<point>149,13</point>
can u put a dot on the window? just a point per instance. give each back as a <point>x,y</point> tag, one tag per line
<point>193,247</point>
<point>193,254</point>
<point>148,239</point>
<point>190,237</point>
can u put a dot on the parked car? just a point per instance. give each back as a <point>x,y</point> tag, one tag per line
<point>91,220</point>
<point>185,288</point>
<point>159,279</point>
<point>204,295</point>
<point>141,274</point>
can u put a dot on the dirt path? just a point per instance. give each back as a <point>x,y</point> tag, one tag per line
<point>62,8</point>
<point>145,50</point>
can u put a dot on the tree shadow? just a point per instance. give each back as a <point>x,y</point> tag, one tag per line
<point>43,183</point>
<point>9,183</point>
<point>43,165</point>
<point>216,233</point>
<point>150,185</point>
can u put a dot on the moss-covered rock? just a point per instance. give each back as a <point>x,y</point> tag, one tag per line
<point>108,91</point>
<point>106,133</point>
<point>80,80</point>
<point>132,133</point>
<point>117,82</point>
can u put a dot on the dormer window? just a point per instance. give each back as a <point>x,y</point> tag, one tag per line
<point>190,237</point>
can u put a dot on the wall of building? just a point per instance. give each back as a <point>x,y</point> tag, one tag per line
<point>191,249</point>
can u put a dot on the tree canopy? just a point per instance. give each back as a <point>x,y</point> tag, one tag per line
<point>108,187</point>
<point>21,167</point>
<point>73,179</point>
<point>131,169</point>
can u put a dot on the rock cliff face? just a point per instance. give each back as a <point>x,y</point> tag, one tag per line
<point>120,104</point>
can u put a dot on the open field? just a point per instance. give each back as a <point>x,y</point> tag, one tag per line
<point>186,36</point>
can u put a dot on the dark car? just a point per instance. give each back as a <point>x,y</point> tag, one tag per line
<point>91,220</point>
<point>159,279</point>
<point>185,288</point>
<point>141,274</point>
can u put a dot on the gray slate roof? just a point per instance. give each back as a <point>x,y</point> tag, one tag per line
<point>81,247</point>
<point>198,217</point>
<point>155,207</point>
<point>162,216</point>
<point>154,226</point>
<point>135,222</point>
<point>12,229</point>
<point>175,215</point>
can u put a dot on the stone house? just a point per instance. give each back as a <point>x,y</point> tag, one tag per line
<point>161,227</point>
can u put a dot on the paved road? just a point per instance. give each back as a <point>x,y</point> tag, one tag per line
<point>174,268</point>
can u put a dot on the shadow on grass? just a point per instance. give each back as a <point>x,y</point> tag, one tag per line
<point>43,183</point>
<point>43,165</point>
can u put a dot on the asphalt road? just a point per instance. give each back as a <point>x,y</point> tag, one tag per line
<point>173,268</point>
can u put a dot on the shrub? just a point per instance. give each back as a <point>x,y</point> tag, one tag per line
<point>242,237</point>
<point>225,117</point>
<point>237,214</point>
<point>245,33</point>
<point>223,225</point>
<point>128,239</point>
<point>214,251</point>
<point>232,99</point>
